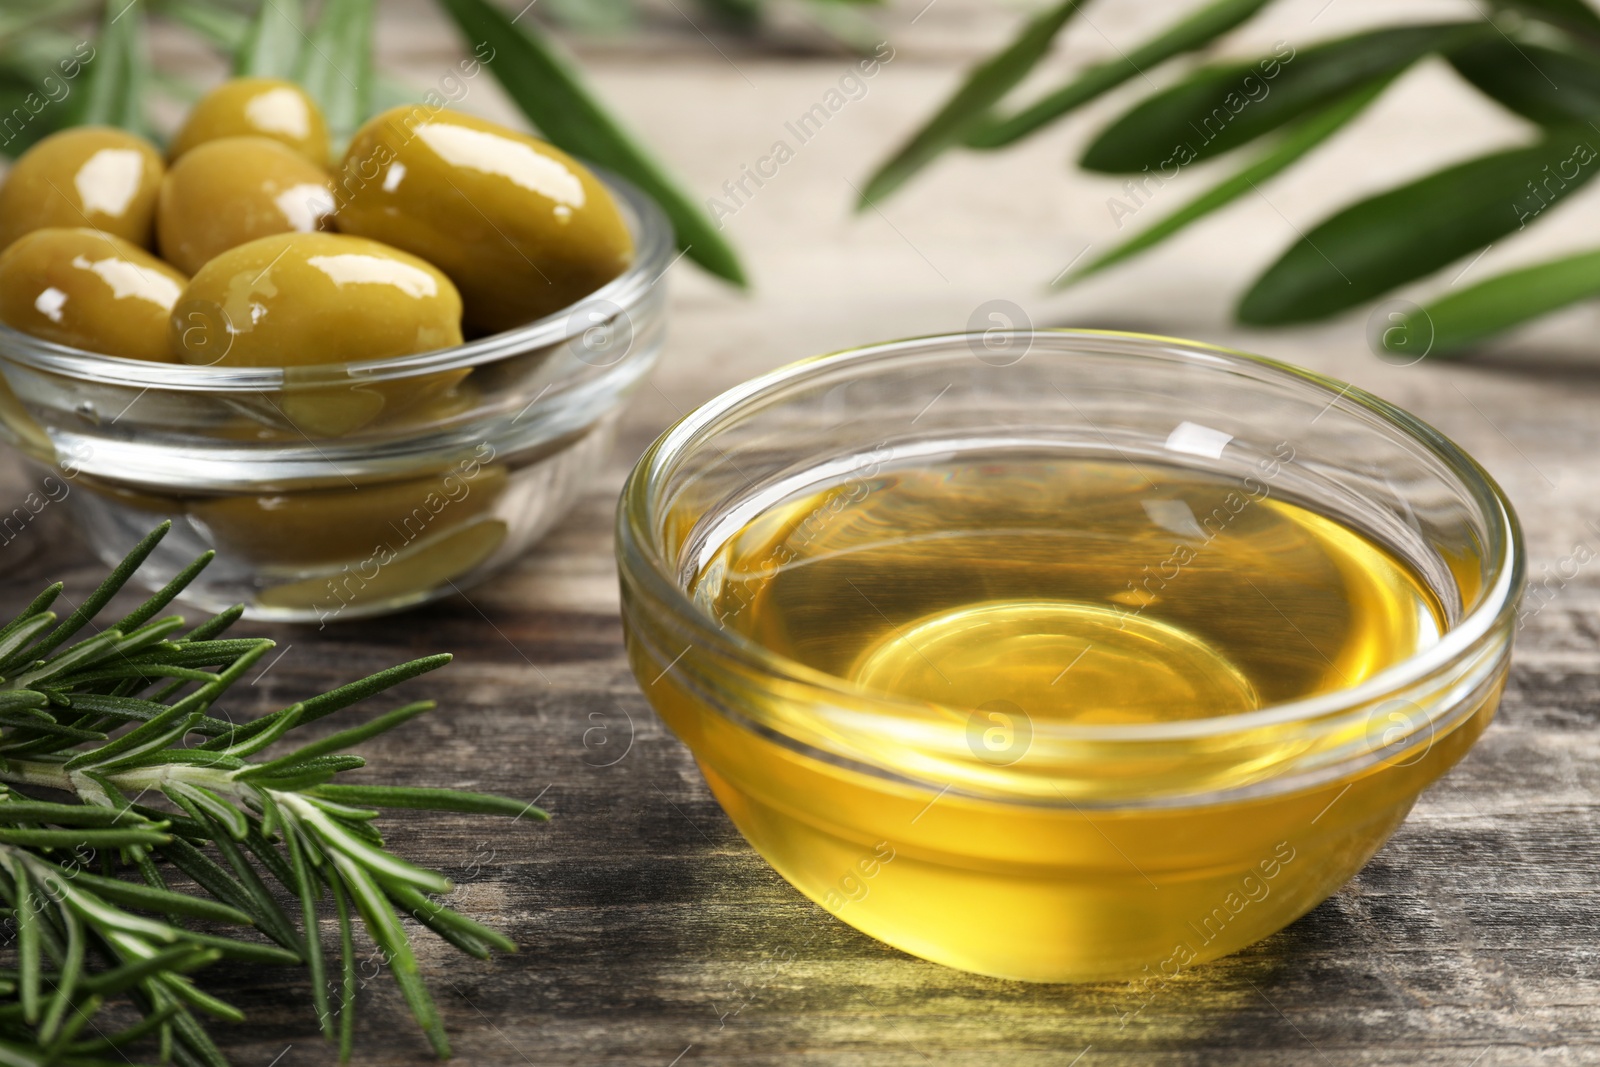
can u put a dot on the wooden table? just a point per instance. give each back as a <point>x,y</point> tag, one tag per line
<point>652,934</point>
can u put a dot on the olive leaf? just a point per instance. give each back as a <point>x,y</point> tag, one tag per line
<point>35,85</point>
<point>742,15</point>
<point>14,22</point>
<point>1187,34</point>
<point>1538,58</point>
<point>336,65</point>
<point>967,108</point>
<point>271,47</point>
<point>17,91</point>
<point>550,92</point>
<point>1575,16</point>
<point>1406,233</point>
<point>1220,108</point>
<point>222,28</point>
<point>1296,142</point>
<point>1550,87</point>
<point>1463,318</point>
<point>845,21</point>
<point>112,92</point>
<point>592,16</point>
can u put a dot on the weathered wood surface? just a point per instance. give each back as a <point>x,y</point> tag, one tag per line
<point>654,935</point>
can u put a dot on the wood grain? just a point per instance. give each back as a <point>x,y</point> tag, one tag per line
<point>653,935</point>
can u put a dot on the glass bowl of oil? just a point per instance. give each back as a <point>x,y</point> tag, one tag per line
<point>1065,655</point>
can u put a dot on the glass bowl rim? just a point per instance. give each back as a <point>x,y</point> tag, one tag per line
<point>653,244</point>
<point>1497,600</point>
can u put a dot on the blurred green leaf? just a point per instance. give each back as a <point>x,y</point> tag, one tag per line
<point>1574,15</point>
<point>392,92</point>
<point>112,91</point>
<point>551,93</point>
<point>592,16</point>
<point>336,65</point>
<point>1299,140</point>
<point>271,48</point>
<point>223,29</point>
<point>181,89</point>
<point>1463,318</point>
<point>41,51</point>
<point>25,117</point>
<point>740,15</point>
<point>845,21</point>
<point>1550,87</point>
<point>1195,30</point>
<point>1220,108</point>
<point>1403,234</point>
<point>17,17</point>
<point>988,82</point>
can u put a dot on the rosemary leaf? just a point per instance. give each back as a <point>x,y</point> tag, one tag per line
<point>83,878</point>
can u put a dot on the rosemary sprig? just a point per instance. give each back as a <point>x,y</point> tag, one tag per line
<point>96,771</point>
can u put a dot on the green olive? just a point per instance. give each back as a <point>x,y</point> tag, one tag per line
<point>402,581</point>
<point>233,190</point>
<point>522,228</point>
<point>289,532</point>
<point>90,290</point>
<point>260,107</point>
<point>94,176</point>
<point>304,299</point>
<point>156,507</point>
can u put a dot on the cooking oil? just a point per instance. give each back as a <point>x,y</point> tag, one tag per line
<point>997,597</point>
<point>1079,591</point>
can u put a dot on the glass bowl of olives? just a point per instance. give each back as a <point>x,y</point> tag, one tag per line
<point>364,388</point>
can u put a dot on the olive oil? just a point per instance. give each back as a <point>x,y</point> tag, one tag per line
<point>1003,598</point>
<point>1074,590</point>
